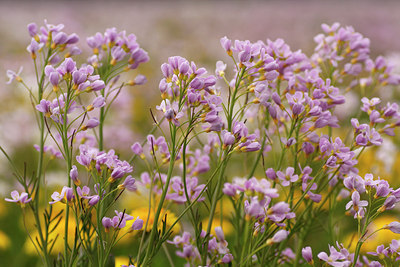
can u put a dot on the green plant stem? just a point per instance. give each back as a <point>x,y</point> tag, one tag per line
<point>154,229</point>
<point>39,170</point>
<point>214,204</point>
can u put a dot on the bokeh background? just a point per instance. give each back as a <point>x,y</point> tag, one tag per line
<point>191,29</point>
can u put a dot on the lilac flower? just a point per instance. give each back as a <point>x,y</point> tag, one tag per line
<point>307,254</point>
<point>19,198</point>
<point>170,112</point>
<point>308,148</point>
<point>98,102</point>
<point>336,258</point>
<point>137,57</point>
<point>32,29</point>
<point>91,123</point>
<point>278,237</point>
<point>382,190</point>
<point>229,189</point>
<point>254,208</point>
<point>137,224</point>
<point>258,187</point>
<point>93,200</point>
<point>140,79</point>
<point>118,221</point>
<point>288,177</point>
<point>388,204</point>
<point>226,44</point>
<point>129,184</point>
<point>34,47</point>
<point>354,182</point>
<point>280,211</point>
<point>357,205</point>
<point>108,222</point>
<point>66,192</point>
<point>250,146</point>
<point>60,38</point>
<point>117,54</point>
<point>220,69</point>
<point>83,192</point>
<point>178,191</point>
<point>288,142</point>
<point>14,76</point>
<point>227,258</point>
<point>381,251</point>
<point>54,79</point>
<point>271,174</point>
<point>394,227</point>
<point>51,150</point>
<point>73,174</point>
<point>45,107</point>
<point>369,104</point>
<point>228,139</point>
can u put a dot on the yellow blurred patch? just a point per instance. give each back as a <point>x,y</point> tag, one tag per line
<point>142,213</point>
<point>121,260</point>
<point>226,226</point>
<point>60,230</point>
<point>382,237</point>
<point>4,241</point>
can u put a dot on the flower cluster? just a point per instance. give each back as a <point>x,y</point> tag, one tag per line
<point>122,48</point>
<point>52,36</point>
<point>281,104</point>
<point>218,252</point>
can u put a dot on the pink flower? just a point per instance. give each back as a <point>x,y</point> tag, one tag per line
<point>19,198</point>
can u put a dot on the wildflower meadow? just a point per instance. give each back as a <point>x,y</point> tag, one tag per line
<point>272,157</point>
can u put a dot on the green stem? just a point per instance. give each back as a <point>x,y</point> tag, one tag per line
<point>214,205</point>
<point>39,171</point>
<point>161,202</point>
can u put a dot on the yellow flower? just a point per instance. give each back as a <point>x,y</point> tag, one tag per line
<point>142,214</point>
<point>60,231</point>
<point>4,241</point>
<point>379,238</point>
<point>226,225</point>
<point>121,260</point>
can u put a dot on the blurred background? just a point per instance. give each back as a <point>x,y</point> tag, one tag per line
<point>191,29</point>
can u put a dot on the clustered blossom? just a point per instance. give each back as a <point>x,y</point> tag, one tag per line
<point>119,221</point>
<point>337,155</point>
<point>84,194</point>
<point>279,102</point>
<point>382,120</point>
<point>81,79</point>
<point>50,150</point>
<point>121,46</point>
<point>218,251</point>
<point>258,201</point>
<point>92,158</point>
<point>186,87</point>
<point>52,36</point>
<point>390,253</point>
<point>382,191</point>
<point>65,196</point>
<point>240,138</point>
<point>178,193</point>
<point>198,161</point>
<point>337,257</point>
